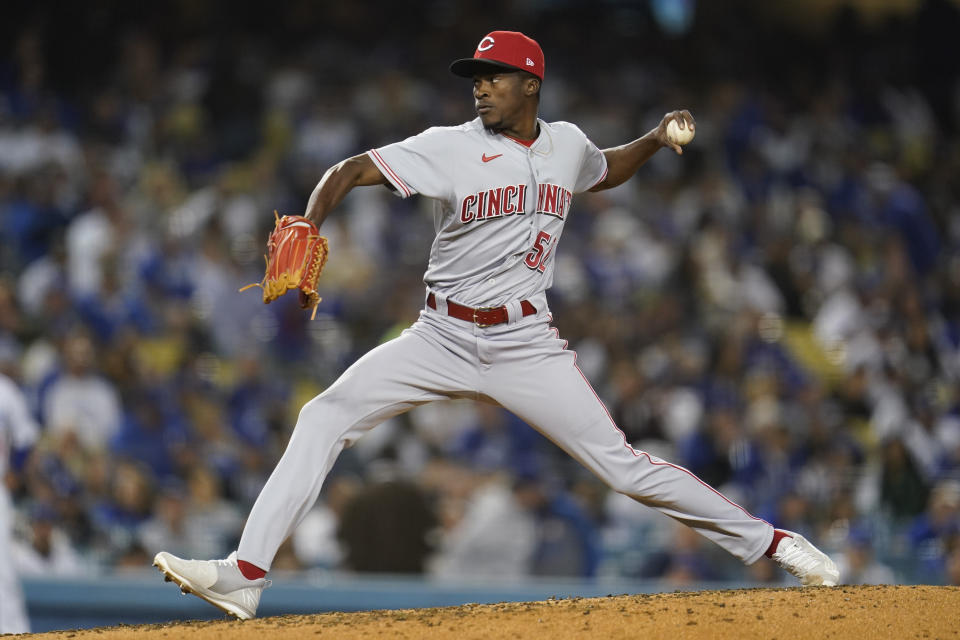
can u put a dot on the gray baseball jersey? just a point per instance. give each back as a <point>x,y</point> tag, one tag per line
<point>500,210</point>
<point>500,206</point>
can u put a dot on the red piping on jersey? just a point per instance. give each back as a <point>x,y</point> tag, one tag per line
<point>602,178</point>
<point>647,455</point>
<point>393,175</point>
<point>637,453</point>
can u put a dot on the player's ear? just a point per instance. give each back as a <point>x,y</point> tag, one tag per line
<point>532,87</point>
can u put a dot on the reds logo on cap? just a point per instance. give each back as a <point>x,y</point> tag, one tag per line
<point>504,49</point>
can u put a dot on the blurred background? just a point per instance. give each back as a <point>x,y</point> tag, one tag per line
<point>778,309</point>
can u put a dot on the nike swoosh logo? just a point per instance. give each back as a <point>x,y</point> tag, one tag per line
<point>487,158</point>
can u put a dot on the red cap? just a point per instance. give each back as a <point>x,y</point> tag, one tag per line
<point>504,49</point>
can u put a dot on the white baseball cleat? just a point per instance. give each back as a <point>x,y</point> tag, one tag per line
<point>219,582</point>
<point>811,566</point>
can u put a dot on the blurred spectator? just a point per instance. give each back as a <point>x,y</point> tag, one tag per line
<point>133,557</point>
<point>933,530</point>
<point>13,325</point>
<point>687,562</point>
<point>192,518</point>
<point>79,401</point>
<point>953,563</point>
<point>902,490</point>
<point>385,528</point>
<point>498,440</point>
<point>215,449</point>
<point>167,526</point>
<point>257,412</point>
<point>315,541</point>
<point>114,308</point>
<point>287,559</point>
<point>858,563</point>
<point>495,536</point>
<point>213,523</point>
<point>566,537</point>
<point>152,432</point>
<point>118,514</point>
<point>93,234</point>
<point>50,481</point>
<point>41,276</point>
<point>47,550</point>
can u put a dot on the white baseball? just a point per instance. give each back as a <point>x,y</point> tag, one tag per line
<point>677,135</point>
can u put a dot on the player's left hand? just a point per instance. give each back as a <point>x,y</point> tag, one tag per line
<point>296,255</point>
<point>683,118</point>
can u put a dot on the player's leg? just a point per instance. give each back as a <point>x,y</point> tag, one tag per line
<point>13,615</point>
<point>420,366</point>
<point>536,378</point>
<point>411,370</point>
<point>544,387</point>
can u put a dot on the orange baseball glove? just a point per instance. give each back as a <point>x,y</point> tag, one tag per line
<point>296,255</point>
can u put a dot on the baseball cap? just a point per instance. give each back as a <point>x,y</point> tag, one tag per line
<point>505,49</point>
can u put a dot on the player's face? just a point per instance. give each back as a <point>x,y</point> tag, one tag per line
<point>499,99</point>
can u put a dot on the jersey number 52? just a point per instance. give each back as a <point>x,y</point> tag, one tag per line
<point>537,257</point>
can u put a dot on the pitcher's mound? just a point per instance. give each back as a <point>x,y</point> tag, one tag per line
<point>868,613</point>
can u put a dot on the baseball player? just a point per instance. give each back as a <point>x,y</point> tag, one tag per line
<point>502,185</point>
<point>18,432</point>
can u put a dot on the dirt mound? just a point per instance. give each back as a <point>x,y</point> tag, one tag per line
<point>873,613</point>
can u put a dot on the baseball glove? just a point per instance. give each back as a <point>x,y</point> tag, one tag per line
<point>296,255</point>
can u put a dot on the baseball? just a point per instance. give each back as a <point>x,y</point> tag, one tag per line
<point>677,135</point>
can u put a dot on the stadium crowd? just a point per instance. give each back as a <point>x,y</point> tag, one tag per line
<point>778,309</point>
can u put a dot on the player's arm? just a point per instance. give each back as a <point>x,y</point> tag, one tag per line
<point>625,160</point>
<point>336,183</point>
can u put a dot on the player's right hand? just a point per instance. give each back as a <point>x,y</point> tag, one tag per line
<point>682,116</point>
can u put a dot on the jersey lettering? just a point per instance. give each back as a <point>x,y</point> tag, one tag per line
<point>494,203</point>
<point>509,192</point>
<point>552,200</point>
<point>536,258</point>
<point>467,213</point>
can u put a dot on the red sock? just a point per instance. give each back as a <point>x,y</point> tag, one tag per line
<point>250,571</point>
<point>777,537</point>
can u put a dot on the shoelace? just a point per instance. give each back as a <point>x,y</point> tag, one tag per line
<point>225,562</point>
<point>796,560</point>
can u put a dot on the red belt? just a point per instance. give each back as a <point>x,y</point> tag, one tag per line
<point>482,316</point>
